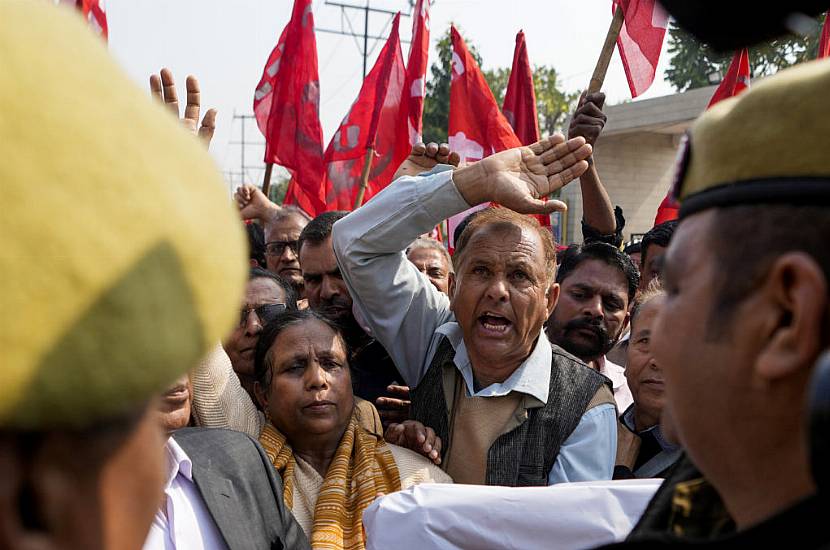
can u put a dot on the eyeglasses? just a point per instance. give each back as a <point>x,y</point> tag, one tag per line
<point>265,313</point>
<point>276,248</point>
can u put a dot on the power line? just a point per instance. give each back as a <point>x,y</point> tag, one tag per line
<point>364,50</point>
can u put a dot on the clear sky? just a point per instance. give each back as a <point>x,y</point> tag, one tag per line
<point>226,43</point>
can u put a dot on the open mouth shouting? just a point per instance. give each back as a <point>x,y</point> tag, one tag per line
<point>493,325</point>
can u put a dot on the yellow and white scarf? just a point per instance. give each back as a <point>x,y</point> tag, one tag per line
<point>362,467</point>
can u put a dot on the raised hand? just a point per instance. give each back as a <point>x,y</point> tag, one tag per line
<point>416,437</point>
<point>163,87</point>
<point>423,158</point>
<point>518,178</point>
<point>254,205</point>
<point>588,120</point>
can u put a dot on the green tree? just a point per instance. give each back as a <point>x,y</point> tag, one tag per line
<point>552,103</point>
<point>692,62</point>
<point>278,189</point>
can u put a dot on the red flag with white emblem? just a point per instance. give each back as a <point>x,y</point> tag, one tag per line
<point>287,107</point>
<point>416,70</point>
<point>824,41</point>
<point>375,121</point>
<point>477,127</point>
<point>640,41</point>
<point>736,79</point>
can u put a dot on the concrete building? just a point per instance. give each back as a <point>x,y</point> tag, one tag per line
<point>635,158</point>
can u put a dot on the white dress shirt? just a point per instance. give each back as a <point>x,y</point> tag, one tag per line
<point>183,522</point>
<point>616,373</point>
<point>410,317</point>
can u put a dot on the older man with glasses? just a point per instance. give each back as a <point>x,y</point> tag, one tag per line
<point>281,234</point>
<point>266,296</point>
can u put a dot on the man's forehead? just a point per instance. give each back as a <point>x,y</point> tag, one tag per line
<point>427,255</point>
<point>318,257</point>
<point>286,229</point>
<point>263,290</point>
<point>689,246</point>
<point>501,238</point>
<point>597,275</point>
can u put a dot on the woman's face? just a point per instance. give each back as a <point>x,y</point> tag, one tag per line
<point>311,388</point>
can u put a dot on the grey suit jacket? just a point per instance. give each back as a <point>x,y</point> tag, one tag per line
<point>241,490</point>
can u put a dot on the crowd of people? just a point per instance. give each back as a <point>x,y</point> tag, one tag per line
<point>163,390</point>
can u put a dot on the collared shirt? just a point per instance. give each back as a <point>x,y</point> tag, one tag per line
<point>183,521</point>
<point>410,317</point>
<point>627,418</point>
<point>616,373</point>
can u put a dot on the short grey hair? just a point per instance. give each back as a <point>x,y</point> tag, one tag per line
<point>432,244</point>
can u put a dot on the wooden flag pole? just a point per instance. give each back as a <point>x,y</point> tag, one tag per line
<point>364,178</point>
<point>266,181</point>
<point>598,77</point>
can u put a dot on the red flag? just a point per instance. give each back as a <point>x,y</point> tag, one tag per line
<point>376,120</point>
<point>640,41</point>
<point>287,107</point>
<point>520,103</point>
<point>416,70</point>
<point>95,13</point>
<point>824,41</point>
<point>477,127</point>
<point>520,98</point>
<point>736,79</point>
<point>667,211</point>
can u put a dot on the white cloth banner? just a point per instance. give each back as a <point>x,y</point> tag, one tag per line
<point>564,516</point>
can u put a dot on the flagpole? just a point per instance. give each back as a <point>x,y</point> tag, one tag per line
<point>364,178</point>
<point>601,68</point>
<point>266,181</point>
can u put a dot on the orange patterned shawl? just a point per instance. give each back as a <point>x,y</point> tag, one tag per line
<point>362,467</point>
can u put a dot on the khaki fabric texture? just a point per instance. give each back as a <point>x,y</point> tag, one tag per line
<point>122,258</point>
<point>769,131</point>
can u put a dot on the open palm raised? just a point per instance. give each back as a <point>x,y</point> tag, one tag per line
<point>519,178</point>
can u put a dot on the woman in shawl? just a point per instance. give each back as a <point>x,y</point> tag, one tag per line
<point>332,468</point>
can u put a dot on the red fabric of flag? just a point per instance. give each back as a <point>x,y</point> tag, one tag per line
<point>520,98</point>
<point>95,13</point>
<point>736,79</point>
<point>416,70</point>
<point>824,41</point>
<point>376,120</point>
<point>287,107</point>
<point>667,211</point>
<point>640,41</point>
<point>519,106</point>
<point>477,126</point>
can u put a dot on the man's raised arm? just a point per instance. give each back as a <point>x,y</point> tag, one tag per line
<point>401,306</point>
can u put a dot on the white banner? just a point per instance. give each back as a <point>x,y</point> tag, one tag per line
<point>564,516</point>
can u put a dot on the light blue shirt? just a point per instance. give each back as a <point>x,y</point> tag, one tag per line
<point>410,317</point>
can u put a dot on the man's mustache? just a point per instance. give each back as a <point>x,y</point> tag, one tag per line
<point>335,303</point>
<point>594,326</point>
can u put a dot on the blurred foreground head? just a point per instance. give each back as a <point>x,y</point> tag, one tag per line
<point>746,275</point>
<point>122,263</point>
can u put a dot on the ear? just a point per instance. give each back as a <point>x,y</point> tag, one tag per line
<point>796,290</point>
<point>23,517</point>
<point>552,297</point>
<point>624,324</point>
<point>261,394</point>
